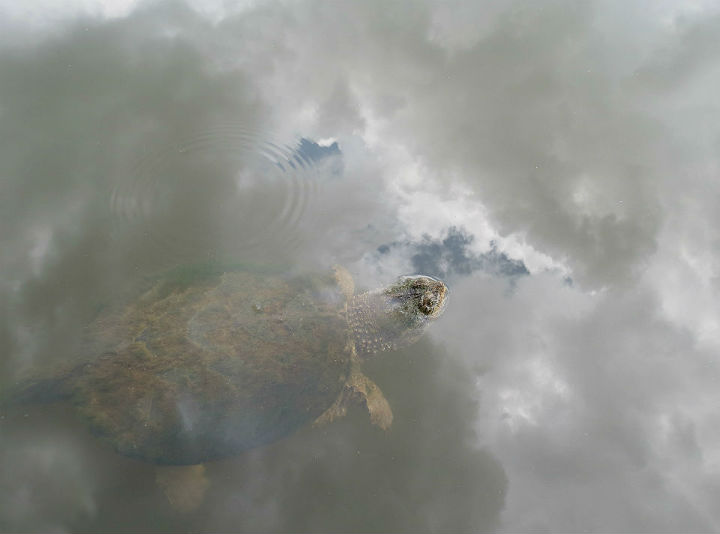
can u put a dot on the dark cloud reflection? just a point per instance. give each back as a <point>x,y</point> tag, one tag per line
<point>451,257</point>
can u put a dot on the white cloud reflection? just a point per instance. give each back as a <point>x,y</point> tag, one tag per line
<point>580,138</point>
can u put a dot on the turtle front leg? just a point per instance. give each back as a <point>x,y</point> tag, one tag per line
<point>360,388</point>
<point>183,485</point>
<point>376,403</point>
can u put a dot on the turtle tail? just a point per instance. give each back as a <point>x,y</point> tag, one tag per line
<point>35,390</point>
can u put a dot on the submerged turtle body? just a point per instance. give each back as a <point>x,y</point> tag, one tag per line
<point>209,365</point>
<point>220,366</point>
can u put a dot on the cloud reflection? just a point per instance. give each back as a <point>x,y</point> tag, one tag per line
<point>580,138</point>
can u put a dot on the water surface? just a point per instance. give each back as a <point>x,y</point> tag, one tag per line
<point>555,163</point>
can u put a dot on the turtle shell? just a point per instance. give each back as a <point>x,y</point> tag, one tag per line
<point>209,367</point>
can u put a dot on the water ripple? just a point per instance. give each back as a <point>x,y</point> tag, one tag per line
<point>222,192</point>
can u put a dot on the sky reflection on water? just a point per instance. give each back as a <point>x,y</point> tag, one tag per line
<point>555,162</point>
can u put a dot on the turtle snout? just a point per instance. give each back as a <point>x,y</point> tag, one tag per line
<point>428,303</point>
<point>432,302</point>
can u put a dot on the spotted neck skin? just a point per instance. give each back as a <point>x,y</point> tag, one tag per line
<point>394,317</point>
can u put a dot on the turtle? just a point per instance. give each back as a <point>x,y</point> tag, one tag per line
<point>205,366</point>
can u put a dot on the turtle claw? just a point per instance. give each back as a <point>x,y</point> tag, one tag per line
<point>336,411</point>
<point>378,406</point>
<point>367,391</point>
<point>360,388</point>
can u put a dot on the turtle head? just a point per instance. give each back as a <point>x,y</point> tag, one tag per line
<point>417,299</point>
<point>397,315</point>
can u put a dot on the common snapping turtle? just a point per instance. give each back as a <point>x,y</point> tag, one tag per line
<point>203,367</point>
